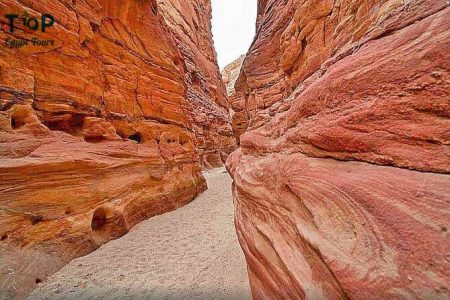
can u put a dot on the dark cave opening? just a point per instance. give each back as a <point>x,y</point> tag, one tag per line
<point>137,137</point>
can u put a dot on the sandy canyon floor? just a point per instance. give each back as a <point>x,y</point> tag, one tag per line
<point>190,253</point>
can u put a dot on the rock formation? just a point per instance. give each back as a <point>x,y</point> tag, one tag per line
<point>191,24</point>
<point>341,183</point>
<point>102,126</point>
<point>230,74</point>
<point>238,115</point>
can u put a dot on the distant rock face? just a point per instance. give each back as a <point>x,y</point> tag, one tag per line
<point>230,74</point>
<point>239,118</point>
<point>190,22</point>
<point>341,182</point>
<point>101,128</point>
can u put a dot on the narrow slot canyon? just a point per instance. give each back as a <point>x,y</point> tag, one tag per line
<point>210,149</point>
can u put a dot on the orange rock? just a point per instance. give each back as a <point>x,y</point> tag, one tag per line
<point>99,130</point>
<point>341,183</point>
<point>190,23</point>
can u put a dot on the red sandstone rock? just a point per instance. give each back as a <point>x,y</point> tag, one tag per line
<point>103,129</point>
<point>299,38</point>
<point>191,24</point>
<point>321,228</point>
<point>341,183</point>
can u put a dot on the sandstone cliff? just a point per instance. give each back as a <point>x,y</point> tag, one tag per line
<point>98,129</point>
<point>191,24</point>
<point>341,182</point>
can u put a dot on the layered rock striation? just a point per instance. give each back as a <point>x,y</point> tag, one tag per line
<point>190,23</point>
<point>341,183</point>
<point>98,127</point>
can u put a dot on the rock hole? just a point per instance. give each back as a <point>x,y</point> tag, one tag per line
<point>304,43</point>
<point>35,219</point>
<point>444,229</point>
<point>38,280</point>
<point>107,224</point>
<point>195,78</point>
<point>68,211</point>
<point>95,27</point>
<point>67,123</point>
<point>183,140</point>
<point>17,121</point>
<point>98,219</point>
<point>137,137</point>
<point>3,237</point>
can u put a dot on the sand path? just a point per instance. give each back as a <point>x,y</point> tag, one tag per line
<point>190,253</point>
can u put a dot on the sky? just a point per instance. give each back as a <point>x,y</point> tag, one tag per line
<point>233,27</point>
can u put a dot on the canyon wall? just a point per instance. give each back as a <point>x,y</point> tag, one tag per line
<point>238,114</point>
<point>98,126</point>
<point>191,24</point>
<point>341,183</point>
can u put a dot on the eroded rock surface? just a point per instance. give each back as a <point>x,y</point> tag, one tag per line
<point>191,24</point>
<point>341,183</point>
<point>98,130</point>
